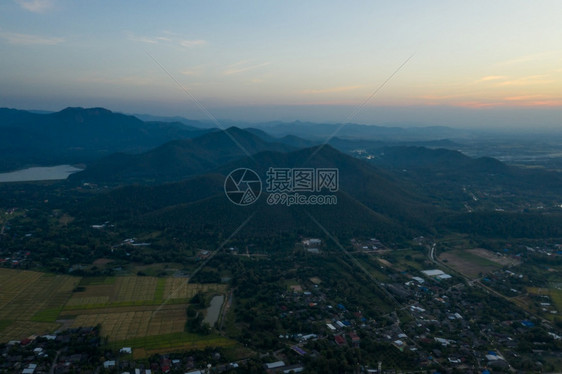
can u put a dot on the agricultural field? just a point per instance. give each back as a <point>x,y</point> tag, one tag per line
<point>495,257</point>
<point>30,301</point>
<point>177,341</point>
<point>114,291</point>
<point>177,289</point>
<point>471,262</point>
<point>135,291</point>
<point>132,322</point>
<point>130,307</point>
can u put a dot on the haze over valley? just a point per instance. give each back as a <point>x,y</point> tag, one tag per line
<point>289,187</point>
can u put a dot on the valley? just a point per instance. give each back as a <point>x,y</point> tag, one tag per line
<point>431,260</point>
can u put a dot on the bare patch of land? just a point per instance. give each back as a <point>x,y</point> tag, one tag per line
<point>468,262</point>
<point>315,280</point>
<point>494,257</point>
<point>384,262</point>
<point>296,288</point>
<point>102,261</point>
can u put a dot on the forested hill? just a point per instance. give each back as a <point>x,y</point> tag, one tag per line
<point>178,159</point>
<point>76,135</point>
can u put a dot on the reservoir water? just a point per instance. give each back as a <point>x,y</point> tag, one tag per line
<point>214,309</point>
<point>39,174</point>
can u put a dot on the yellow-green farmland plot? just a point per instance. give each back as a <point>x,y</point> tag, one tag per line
<point>177,289</point>
<point>137,291</point>
<point>141,310</point>
<point>119,291</point>
<point>135,322</point>
<point>30,302</point>
<point>174,342</point>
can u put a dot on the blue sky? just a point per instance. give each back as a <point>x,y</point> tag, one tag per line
<point>475,63</point>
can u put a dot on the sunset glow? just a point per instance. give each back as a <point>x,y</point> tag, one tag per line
<point>229,56</point>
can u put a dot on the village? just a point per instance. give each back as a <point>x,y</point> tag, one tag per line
<point>80,350</point>
<point>428,315</point>
<point>446,322</point>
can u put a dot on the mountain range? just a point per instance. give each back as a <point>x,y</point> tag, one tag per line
<point>323,131</point>
<point>170,176</point>
<point>369,201</point>
<point>77,135</point>
<point>178,159</point>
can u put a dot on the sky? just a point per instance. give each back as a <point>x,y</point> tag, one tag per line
<point>455,63</point>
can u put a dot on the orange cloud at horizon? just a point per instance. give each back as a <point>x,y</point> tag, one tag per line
<point>510,102</point>
<point>491,78</point>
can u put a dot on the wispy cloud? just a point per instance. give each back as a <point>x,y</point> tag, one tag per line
<point>36,6</point>
<point>243,66</point>
<point>29,39</point>
<point>528,58</point>
<point>547,103</point>
<point>476,104</point>
<point>534,100</point>
<point>192,71</point>
<point>168,38</point>
<point>513,102</point>
<point>330,90</point>
<point>191,43</point>
<point>527,81</point>
<point>525,97</point>
<point>491,78</point>
<point>439,97</point>
<point>145,39</point>
<point>502,80</point>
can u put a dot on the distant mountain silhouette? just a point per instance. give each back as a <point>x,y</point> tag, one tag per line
<point>447,174</point>
<point>178,159</point>
<point>78,135</point>
<point>435,159</point>
<point>323,132</point>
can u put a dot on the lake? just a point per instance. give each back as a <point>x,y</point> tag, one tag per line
<point>39,174</point>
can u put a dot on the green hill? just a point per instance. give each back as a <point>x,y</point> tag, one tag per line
<point>178,159</point>
<point>76,135</point>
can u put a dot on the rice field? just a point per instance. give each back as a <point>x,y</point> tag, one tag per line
<point>174,342</point>
<point>24,293</point>
<point>30,301</point>
<point>129,308</point>
<point>137,291</point>
<point>179,289</point>
<point>121,325</point>
<point>468,263</point>
<point>17,330</point>
<point>122,291</point>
